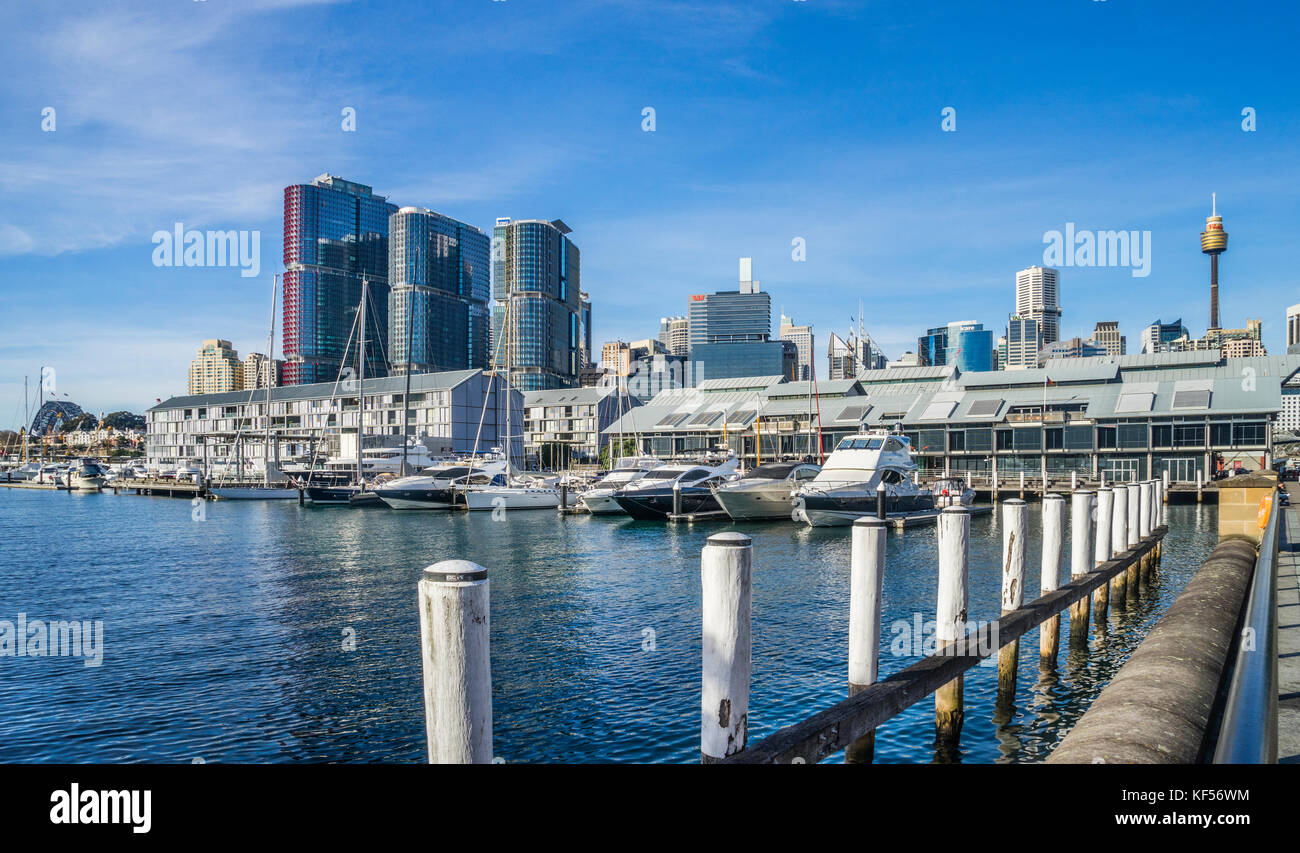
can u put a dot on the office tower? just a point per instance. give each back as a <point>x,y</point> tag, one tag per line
<point>1157,336</point>
<point>1106,335</point>
<point>970,347</point>
<point>536,275</point>
<point>1214,242</point>
<point>260,371</point>
<point>584,332</point>
<point>932,347</point>
<point>1075,347</point>
<point>675,333</point>
<point>614,358</point>
<point>216,368</point>
<point>1293,329</point>
<point>1037,297</point>
<point>438,279</point>
<point>335,234</point>
<point>1024,340</point>
<point>850,357</point>
<point>731,331</point>
<point>802,338</point>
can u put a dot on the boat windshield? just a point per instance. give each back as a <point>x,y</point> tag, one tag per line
<point>663,474</point>
<point>771,471</point>
<point>861,444</point>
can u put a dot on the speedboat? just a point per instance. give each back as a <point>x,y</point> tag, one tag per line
<point>27,471</point>
<point>765,491</point>
<point>951,491</point>
<point>652,497</point>
<point>440,486</point>
<point>599,499</point>
<point>846,488</point>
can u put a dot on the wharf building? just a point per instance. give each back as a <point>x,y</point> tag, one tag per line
<point>335,235</point>
<point>536,274</point>
<point>1125,417</point>
<point>322,419</point>
<point>566,426</point>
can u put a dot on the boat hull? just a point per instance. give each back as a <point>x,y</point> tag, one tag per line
<point>601,504</point>
<point>252,493</point>
<point>444,498</point>
<point>511,498</point>
<point>657,504</point>
<point>837,510</point>
<point>330,495</point>
<point>756,504</point>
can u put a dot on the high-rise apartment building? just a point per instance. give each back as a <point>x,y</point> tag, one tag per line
<point>1038,298</point>
<point>802,338</point>
<point>1106,335</point>
<point>260,371</point>
<point>536,282</point>
<point>1024,340</point>
<point>588,359</point>
<point>216,368</point>
<point>1293,329</point>
<point>438,281</point>
<point>675,334</point>
<point>335,235</point>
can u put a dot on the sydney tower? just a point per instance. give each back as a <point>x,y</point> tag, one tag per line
<point>1214,242</point>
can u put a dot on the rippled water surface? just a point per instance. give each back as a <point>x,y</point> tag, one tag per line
<point>225,638</point>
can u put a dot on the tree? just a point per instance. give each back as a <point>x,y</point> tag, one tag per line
<point>626,448</point>
<point>85,420</point>
<point>122,421</point>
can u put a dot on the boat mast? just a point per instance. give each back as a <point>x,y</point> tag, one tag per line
<point>270,369</point>
<point>27,419</point>
<point>361,383</point>
<point>406,396</point>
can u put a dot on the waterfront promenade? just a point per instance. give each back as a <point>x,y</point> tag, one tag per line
<point>1288,636</point>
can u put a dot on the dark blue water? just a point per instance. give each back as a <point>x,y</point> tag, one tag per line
<point>224,639</point>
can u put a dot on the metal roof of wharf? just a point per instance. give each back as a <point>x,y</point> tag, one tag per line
<point>443,381</point>
<point>1183,384</point>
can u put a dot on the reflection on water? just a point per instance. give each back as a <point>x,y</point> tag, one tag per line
<point>272,632</point>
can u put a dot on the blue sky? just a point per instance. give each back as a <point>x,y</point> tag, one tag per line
<point>775,119</point>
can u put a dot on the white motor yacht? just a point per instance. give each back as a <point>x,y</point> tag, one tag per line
<point>848,483</point>
<point>440,486</point>
<point>599,499</point>
<point>764,492</point>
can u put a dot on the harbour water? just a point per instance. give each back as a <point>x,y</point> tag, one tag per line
<point>268,632</point>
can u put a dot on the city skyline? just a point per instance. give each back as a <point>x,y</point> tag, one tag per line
<point>747,165</point>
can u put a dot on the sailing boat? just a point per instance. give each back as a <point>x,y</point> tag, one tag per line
<point>344,494</point>
<point>516,492</point>
<point>266,491</point>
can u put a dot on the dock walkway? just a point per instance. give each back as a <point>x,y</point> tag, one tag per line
<point>1288,637</point>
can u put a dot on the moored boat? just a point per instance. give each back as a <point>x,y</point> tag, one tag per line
<point>764,492</point>
<point>685,489</point>
<point>850,481</point>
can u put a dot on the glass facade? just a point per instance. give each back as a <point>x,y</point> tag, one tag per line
<point>335,234</point>
<point>438,277</point>
<point>932,347</point>
<point>536,269</point>
<point>971,350</point>
<point>731,360</point>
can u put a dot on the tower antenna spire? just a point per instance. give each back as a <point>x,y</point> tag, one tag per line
<point>1214,204</point>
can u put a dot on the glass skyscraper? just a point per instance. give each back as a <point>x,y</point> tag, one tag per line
<point>932,347</point>
<point>731,332</point>
<point>536,273</point>
<point>970,347</point>
<point>438,277</point>
<point>335,234</point>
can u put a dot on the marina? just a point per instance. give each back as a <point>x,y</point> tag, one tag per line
<point>303,645</point>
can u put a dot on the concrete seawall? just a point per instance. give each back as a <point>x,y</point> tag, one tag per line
<point>1158,707</point>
